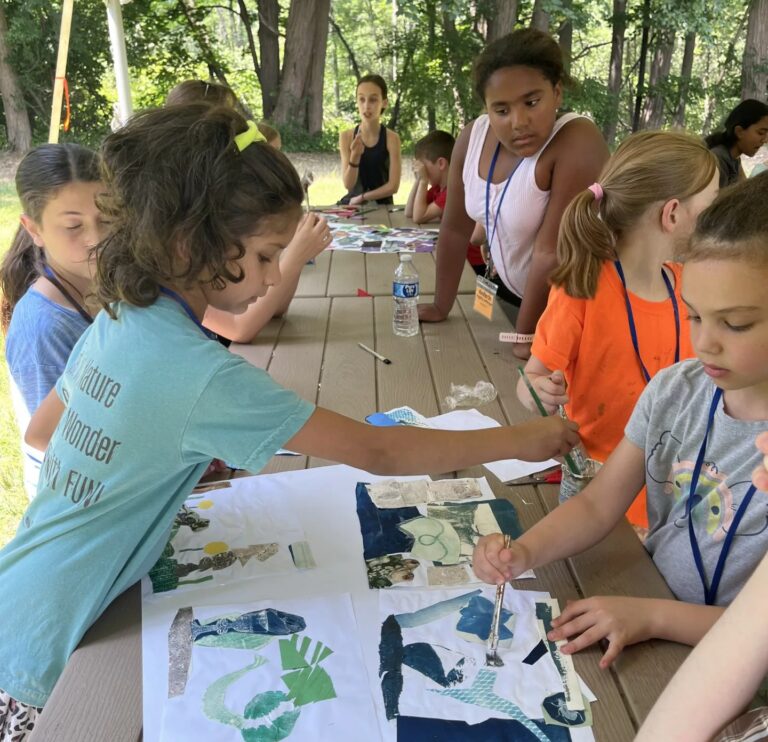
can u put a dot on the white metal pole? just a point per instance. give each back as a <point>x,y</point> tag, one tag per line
<point>120,61</point>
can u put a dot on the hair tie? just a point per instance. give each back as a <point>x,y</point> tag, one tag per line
<point>597,191</point>
<point>249,136</point>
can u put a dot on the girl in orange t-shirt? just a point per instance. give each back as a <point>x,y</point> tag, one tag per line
<point>613,316</point>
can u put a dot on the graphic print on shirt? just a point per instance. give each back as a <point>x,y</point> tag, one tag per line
<point>721,499</point>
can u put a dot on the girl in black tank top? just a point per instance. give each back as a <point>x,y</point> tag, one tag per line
<point>367,169</point>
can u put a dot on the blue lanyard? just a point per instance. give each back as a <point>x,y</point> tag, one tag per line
<point>183,304</point>
<point>488,234</point>
<point>710,593</point>
<point>631,318</point>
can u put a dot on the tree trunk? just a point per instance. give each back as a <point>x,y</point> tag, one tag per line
<point>540,18</point>
<point>317,71</point>
<point>245,17</point>
<point>290,107</point>
<point>452,67</point>
<point>16,117</point>
<point>215,68</point>
<point>754,68</point>
<point>504,20</point>
<point>269,46</point>
<point>685,77</point>
<point>614,75</point>
<point>640,93</point>
<point>653,113</point>
<point>352,59</point>
<point>431,47</point>
<point>565,35</point>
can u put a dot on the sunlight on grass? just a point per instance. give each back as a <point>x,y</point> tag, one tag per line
<point>328,189</point>
<point>13,499</point>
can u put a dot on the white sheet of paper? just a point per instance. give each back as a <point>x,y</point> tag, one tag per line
<point>239,517</point>
<point>524,685</point>
<point>323,499</point>
<point>505,469</point>
<point>330,620</point>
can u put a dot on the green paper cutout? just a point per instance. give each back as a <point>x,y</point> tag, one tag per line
<point>214,706</point>
<point>435,539</point>
<point>235,641</point>
<point>309,685</point>
<point>279,729</point>
<point>264,703</point>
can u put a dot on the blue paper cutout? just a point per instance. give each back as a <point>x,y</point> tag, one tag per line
<point>535,654</point>
<point>379,526</point>
<point>477,616</point>
<point>268,621</point>
<point>410,728</point>
<point>435,611</point>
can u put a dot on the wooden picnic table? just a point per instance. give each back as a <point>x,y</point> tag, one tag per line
<point>344,272</point>
<point>313,350</point>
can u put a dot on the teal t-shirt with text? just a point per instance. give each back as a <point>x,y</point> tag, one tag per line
<point>150,400</point>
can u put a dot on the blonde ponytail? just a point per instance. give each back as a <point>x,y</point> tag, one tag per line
<point>647,168</point>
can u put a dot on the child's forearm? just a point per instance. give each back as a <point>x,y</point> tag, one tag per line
<point>681,622</point>
<point>420,202</point>
<point>411,198</point>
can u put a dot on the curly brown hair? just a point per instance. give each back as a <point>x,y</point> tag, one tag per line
<point>180,198</point>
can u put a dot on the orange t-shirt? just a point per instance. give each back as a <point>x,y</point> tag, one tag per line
<point>589,341</point>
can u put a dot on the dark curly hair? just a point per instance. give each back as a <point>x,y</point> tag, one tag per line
<point>747,113</point>
<point>526,47</point>
<point>180,196</point>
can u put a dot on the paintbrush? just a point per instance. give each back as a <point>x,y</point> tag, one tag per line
<point>579,454</point>
<point>568,460</point>
<point>491,654</point>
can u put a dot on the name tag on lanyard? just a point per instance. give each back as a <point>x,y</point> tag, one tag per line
<point>485,297</point>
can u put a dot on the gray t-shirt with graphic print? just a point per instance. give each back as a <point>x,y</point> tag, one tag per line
<point>669,423</point>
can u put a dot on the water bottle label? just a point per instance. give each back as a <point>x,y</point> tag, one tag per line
<point>405,290</point>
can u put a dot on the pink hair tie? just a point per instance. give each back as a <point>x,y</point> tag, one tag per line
<point>597,190</point>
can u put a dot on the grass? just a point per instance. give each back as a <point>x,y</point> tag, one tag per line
<point>13,499</point>
<point>327,189</point>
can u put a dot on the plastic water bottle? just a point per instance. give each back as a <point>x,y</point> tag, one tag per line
<point>405,294</point>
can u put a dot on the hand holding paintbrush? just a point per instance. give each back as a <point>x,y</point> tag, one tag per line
<point>492,655</point>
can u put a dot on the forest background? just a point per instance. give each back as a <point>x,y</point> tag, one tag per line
<point>636,64</point>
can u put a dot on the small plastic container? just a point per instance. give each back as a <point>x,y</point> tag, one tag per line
<point>571,484</point>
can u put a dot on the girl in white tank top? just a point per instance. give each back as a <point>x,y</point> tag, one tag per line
<point>521,213</point>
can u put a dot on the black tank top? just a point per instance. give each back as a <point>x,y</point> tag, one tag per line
<point>374,168</point>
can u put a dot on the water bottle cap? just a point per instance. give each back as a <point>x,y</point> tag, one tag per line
<point>406,257</point>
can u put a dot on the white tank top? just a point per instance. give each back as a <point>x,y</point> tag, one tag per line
<point>522,210</point>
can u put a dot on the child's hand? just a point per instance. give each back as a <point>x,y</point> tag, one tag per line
<point>312,236</point>
<point>551,390</point>
<point>356,200</point>
<point>494,564</point>
<point>544,438</point>
<point>357,148</point>
<point>418,170</point>
<point>622,621</point>
<point>760,475</point>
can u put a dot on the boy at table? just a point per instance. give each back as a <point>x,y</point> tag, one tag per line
<point>427,199</point>
<point>690,441</point>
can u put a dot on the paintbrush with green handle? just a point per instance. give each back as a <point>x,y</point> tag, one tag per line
<point>570,463</point>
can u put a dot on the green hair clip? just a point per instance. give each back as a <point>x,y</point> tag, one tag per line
<point>249,136</point>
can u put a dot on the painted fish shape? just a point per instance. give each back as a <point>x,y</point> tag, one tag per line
<point>266,621</point>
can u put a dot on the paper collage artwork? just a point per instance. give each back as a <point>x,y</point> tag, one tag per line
<point>226,534</point>
<point>434,683</point>
<point>424,543</point>
<point>378,238</point>
<point>269,671</point>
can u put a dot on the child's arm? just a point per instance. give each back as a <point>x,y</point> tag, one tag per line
<point>411,197</point>
<point>760,475</point>
<point>732,656</point>
<point>351,150</point>
<point>44,421</point>
<point>391,186</point>
<point>310,239</point>
<point>407,450</point>
<point>549,385</point>
<point>575,526</point>
<point>423,212</point>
